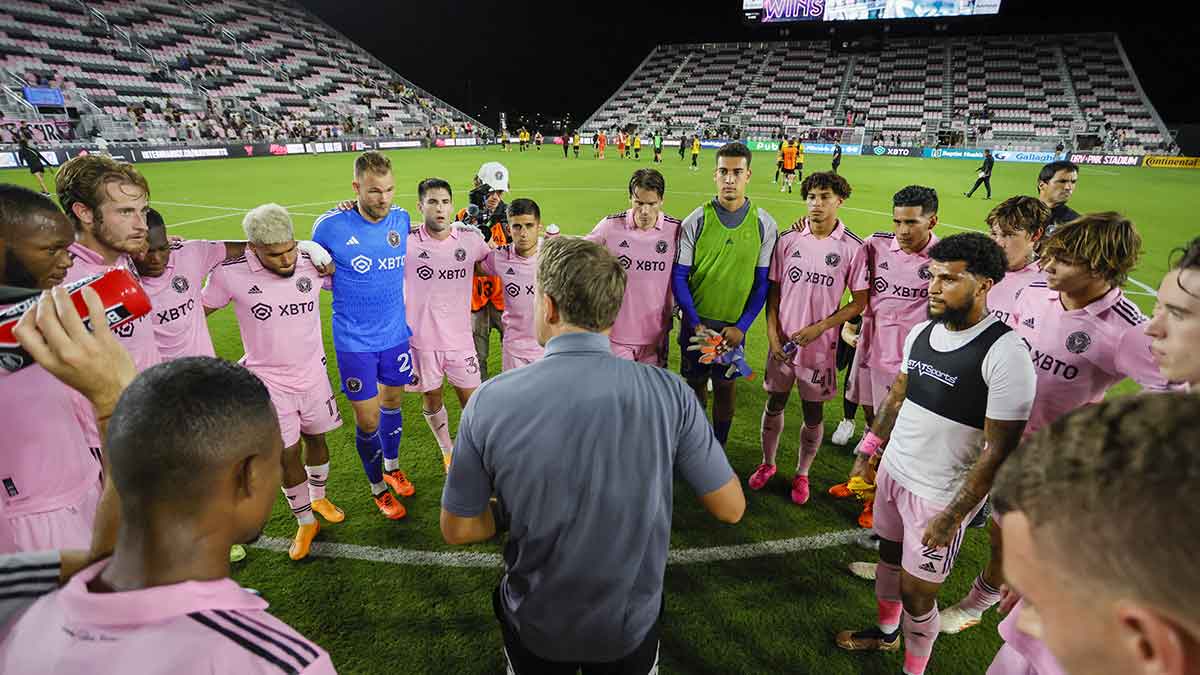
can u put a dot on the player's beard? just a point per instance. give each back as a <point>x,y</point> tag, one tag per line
<point>15,272</point>
<point>104,235</point>
<point>435,226</point>
<point>954,317</point>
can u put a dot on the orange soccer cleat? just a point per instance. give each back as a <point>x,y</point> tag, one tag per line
<point>328,511</point>
<point>303,540</point>
<point>399,483</point>
<point>390,506</point>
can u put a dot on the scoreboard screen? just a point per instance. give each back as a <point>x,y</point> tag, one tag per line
<point>784,11</point>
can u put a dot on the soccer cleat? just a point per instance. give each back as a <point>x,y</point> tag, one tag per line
<point>331,513</point>
<point>237,553</point>
<point>399,483</point>
<point>840,491</point>
<point>956,619</point>
<point>866,519</point>
<point>800,490</point>
<point>303,540</point>
<point>864,570</point>
<point>843,433</point>
<point>871,639</point>
<point>390,506</point>
<point>761,475</point>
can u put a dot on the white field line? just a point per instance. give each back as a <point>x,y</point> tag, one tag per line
<point>687,556</point>
<point>230,215</point>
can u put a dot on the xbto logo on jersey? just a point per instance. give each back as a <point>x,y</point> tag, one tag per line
<point>1078,342</point>
<point>304,284</point>
<point>169,315</point>
<point>425,272</point>
<point>881,286</point>
<point>661,246</point>
<point>125,331</point>
<point>180,284</point>
<point>512,289</point>
<point>1050,364</point>
<point>625,261</point>
<point>797,275</point>
<point>261,311</point>
<point>361,264</point>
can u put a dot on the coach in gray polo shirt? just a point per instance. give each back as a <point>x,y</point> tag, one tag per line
<point>579,450</point>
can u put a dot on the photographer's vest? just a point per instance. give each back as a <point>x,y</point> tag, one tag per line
<point>485,289</point>
<point>723,265</point>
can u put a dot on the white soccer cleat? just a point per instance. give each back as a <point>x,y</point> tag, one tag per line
<point>841,435</point>
<point>866,570</point>
<point>956,620</point>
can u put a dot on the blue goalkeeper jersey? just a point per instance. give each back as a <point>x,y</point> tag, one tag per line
<point>368,282</point>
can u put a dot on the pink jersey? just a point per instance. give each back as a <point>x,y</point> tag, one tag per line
<point>179,325</point>
<point>1078,355</point>
<point>279,318</point>
<point>813,274</point>
<point>189,628</point>
<point>899,297</point>
<point>518,277</point>
<point>647,256</point>
<point>136,336</point>
<point>1002,299</point>
<point>45,464</point>
<point>437,288</point>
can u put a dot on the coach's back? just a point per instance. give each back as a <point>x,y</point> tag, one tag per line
<point>580,449</point>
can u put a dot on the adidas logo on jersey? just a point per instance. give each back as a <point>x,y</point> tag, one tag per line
<point>883,265</point>
<point>796,254</point>
<point>1028,322</point>
<point>928,567</point>
<point>510,271</point>
<point>424,255</point>
<point>353,241</point>
<point>624,244</point>
<point>255,290</point>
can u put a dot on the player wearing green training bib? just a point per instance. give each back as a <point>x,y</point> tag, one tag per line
<point>720,276</point>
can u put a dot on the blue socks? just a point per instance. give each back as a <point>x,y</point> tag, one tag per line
<point>721,430</point>
<point>370,451</point>
<point>391,429</point>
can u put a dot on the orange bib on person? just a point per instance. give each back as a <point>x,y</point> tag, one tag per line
<point>485,289</point>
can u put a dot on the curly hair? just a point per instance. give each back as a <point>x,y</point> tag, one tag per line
<point>826,180</point>
<point>83,180</point>
<point>1106,243</point>
<point>917,195</point>
<point>983,256</point>
<point>1020,214</point>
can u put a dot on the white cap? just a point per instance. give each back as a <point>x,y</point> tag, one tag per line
<point>494,174</point>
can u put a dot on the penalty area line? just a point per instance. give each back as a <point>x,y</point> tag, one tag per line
<point>687,556</point>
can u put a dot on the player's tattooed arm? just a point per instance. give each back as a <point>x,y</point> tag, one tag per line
<point>1000,438</point>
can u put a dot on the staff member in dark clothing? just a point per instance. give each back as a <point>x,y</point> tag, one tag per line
<point>985,175</point>
<point>584,486</point>
<point>1056,183</point>
<point>837,156</point>
<point>33,159</point>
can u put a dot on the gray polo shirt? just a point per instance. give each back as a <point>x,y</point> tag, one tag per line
<point>580,448</point>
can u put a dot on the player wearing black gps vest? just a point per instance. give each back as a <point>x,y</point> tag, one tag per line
<point>957,408</point>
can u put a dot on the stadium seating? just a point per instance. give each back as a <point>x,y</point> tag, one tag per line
<point>269,61</point>
<point>1022,93</point>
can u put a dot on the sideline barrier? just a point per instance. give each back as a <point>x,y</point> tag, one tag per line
<point>1171,162</point>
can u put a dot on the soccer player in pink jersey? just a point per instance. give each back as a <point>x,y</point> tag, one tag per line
<point>438,278</point>
<point>811,269</point>
<point>1084,337</point>
<point>1097,513</point>
<point>644,239</point>
<point>897,263</point>
<point>1175,327</point>
<point>195,450</point>
<point>49,479</point>
<point>516,266</point>
<point>1017,224</point>
<point>275,293</point>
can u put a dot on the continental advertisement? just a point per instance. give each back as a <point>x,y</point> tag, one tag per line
<point>1171,162</point>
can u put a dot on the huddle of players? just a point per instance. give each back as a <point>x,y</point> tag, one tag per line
<point>1079,304</point>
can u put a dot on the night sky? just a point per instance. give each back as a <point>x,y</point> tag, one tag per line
<point>529,57</point>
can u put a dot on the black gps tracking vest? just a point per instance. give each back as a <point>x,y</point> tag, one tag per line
<point>950,384</point>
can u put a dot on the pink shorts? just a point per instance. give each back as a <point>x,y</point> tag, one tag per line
<point>433,368</point>
<point>510,360</point>
<point>67,527</point>
<point>311,413</point>
<point>902,516</point>
<point>868,386</point>
<point>648,354</point>
<point>814,384</point>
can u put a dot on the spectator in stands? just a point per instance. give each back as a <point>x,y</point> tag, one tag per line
<point>1056,183</point>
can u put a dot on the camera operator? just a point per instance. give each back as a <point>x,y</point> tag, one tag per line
<point>487,212</point>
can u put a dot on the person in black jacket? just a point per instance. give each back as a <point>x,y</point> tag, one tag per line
<point>985,175</point>
<point>33,159</point>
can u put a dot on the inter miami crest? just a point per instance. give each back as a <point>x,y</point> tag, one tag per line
<point>353,385</point>
<point>180,284</point>
<point>924,273</point>
<point>833,259</point>
<point>304,284</point>
<point>393,238</point>
<point>460,254</point>
<point>661,246</point>
<point>1078,342</point>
